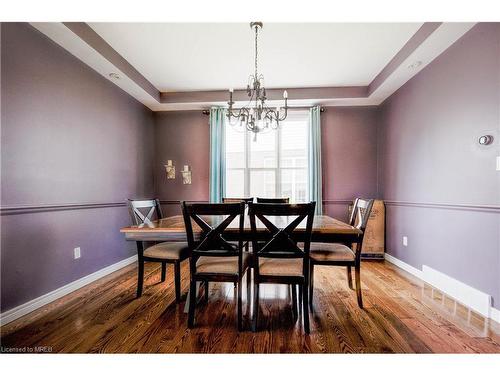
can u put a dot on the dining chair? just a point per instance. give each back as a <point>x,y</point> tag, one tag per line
<point>237,200</point>
<point>278,259</point>
<point>347,255</point>
<point>213,258</point>
<point>143,212</point>
<point>273,200</point>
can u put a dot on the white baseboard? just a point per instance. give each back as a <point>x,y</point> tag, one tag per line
<point>495,314</point>
<point>463,293</point>
<point>26,308</point>
<point>405,266</point>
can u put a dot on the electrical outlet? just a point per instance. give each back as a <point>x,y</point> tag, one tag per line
<point>76,253</point>
<point>405,241</point>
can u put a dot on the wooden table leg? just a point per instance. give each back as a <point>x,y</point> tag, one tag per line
<point>140,268</point>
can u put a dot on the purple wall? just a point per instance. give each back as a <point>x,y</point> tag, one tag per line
<point>349,151</point>
<point>428,154</point>
<point>349,156</point>
<point>182,137</point>
<point>68,136</point>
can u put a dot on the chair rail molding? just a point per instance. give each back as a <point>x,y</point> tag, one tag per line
<point>33,208</point>
<point>447,206</point>
<point>338,201</point>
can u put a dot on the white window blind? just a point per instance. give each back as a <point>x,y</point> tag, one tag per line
<point>274,165</point>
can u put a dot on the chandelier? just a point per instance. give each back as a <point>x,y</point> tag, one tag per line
<point>256,116</point>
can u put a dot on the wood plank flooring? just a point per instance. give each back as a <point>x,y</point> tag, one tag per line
<point>401,315</point>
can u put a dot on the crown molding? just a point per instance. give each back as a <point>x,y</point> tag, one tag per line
<point>432,39</point>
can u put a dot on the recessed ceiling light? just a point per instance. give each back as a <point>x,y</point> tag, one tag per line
<point>114,76</point>
<point>415,65</point>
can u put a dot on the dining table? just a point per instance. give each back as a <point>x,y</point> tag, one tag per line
<point>325,229</point>
<point>172,228</point>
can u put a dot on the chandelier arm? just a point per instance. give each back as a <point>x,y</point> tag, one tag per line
<point>250,100</point>
<point>286,111</point>
<point>270,113</point>
<point>233,113</point>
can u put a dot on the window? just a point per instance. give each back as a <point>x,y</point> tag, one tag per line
<point>273,165</point>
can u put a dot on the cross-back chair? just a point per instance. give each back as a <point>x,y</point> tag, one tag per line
<point>279,259</point>
<point>338,254</point>
<point>143,212</point>
<point>213,258</point>
<point>273,200</point>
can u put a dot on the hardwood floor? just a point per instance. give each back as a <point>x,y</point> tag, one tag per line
<point>401,315</point>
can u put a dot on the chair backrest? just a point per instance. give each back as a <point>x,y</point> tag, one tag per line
<point>144,211</point>
<point>211,241</point>
<point>237,200</point>
<point>273,200</point>
<point>360,213</point>
<point>281,242</point>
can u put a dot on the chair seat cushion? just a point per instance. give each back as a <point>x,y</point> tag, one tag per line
<point>330,252</point>
<point>221,265</point>
<point>168,251</point>
<point>280,266</point>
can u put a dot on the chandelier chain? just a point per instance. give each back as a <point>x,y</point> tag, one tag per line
<point>256,49</point>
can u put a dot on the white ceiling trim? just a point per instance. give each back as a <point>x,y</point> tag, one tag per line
<point>442,38</point>
<point>178,57</point>
<point>63,36</point>
<point>341,102</point>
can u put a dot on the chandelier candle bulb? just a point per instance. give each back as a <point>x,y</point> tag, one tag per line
<point>285,94</point>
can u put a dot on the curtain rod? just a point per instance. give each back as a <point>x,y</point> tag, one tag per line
<point>321,109</point>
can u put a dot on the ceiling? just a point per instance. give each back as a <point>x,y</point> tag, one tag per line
<point>214,56</point>
<point>187,66</point>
